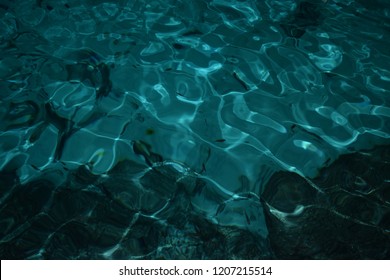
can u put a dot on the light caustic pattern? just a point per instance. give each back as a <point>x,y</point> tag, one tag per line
<point>224,91</point>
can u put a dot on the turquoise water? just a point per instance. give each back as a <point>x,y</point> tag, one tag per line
<point>148,129</point>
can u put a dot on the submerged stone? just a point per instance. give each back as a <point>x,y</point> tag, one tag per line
<point>341,214</point>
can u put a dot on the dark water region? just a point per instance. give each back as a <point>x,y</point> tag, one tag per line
<point>178,129</point>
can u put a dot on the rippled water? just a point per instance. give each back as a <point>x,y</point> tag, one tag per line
<point>176,115</point>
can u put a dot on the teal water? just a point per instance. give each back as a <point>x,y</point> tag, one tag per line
<point>183,129</point>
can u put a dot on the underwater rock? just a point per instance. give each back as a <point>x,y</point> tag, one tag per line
<point>306,15</point>
<point>132,212</point>
<point>341,214</point>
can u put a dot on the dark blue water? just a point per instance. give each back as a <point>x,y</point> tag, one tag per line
<point>214,129</point>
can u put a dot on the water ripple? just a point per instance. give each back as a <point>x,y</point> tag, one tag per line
<point>232,91</point>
